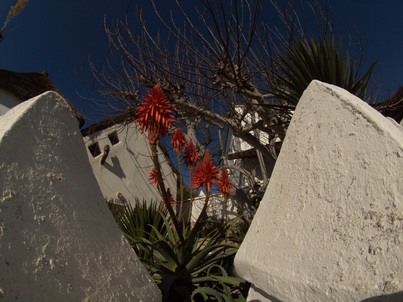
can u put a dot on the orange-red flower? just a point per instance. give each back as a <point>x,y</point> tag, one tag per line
<point>155,114</point>
<point>205,174</point>
<point>171,199</point>
<point>178,141</point>
<point>153,177</point>
<point>191,157</point>
<point>224,183</point>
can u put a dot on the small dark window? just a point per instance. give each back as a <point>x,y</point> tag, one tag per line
<point>94,149</point>
<point>113,137</point>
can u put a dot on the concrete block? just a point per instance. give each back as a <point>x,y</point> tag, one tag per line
<point>58,240</point>
<point>330,226</point>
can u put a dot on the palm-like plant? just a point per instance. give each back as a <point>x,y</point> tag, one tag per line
<point>308,60</point>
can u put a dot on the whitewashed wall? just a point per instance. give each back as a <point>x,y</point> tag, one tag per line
<point>58,240</point>
<point>330,226</point>
<point>7,101</point>
<point>128,165</point>
<point>215,207</point>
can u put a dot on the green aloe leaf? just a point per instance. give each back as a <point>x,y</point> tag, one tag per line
<point>207,292</point>
<point>208,256</point>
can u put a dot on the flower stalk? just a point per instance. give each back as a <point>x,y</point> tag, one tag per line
<point>179,142</point>
<point>190,158</point>
<point>155,116</point>
<point>163,191</point>
<point>224,185</point>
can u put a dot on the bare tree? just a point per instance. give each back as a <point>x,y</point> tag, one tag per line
<point>217,64</point>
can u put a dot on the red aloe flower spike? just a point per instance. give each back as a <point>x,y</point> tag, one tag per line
<point>170,199</point>
<point>178,141</point>
<point>155,114</point>
<point>191,157</point>
<point>224,183</point>
<point>205,174</point>
<point>153,177</point>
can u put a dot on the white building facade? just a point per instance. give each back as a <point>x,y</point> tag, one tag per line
<point>246,157</point>
<point>123,174</point>
<point>7,101</point>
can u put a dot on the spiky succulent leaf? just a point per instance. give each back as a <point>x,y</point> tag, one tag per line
<point>309,60</point>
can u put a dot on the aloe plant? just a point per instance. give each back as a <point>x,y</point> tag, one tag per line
<point>182,269</point>
<point>179,267</point>
<point>308,60</point>
<point>185,260</point>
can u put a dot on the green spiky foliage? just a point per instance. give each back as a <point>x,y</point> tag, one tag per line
<point>139,221</point>
<point>196,268</point>
<point>193,267</point>
<point>308,60</point>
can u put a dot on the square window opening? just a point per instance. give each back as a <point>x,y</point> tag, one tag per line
<point>94,149</point>
<point>113,138</point>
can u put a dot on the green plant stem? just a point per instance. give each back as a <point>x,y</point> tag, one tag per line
<point>202,215</point>
<point>191,195</point>
<point>225,207</point>
<point>225,214</point>
<point>181,185</point>
<point>154,153</point>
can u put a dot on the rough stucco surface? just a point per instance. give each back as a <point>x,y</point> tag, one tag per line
<point>330,226</point>
<point>58,240</point>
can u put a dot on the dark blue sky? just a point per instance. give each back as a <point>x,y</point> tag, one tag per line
<point>60,37</point>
